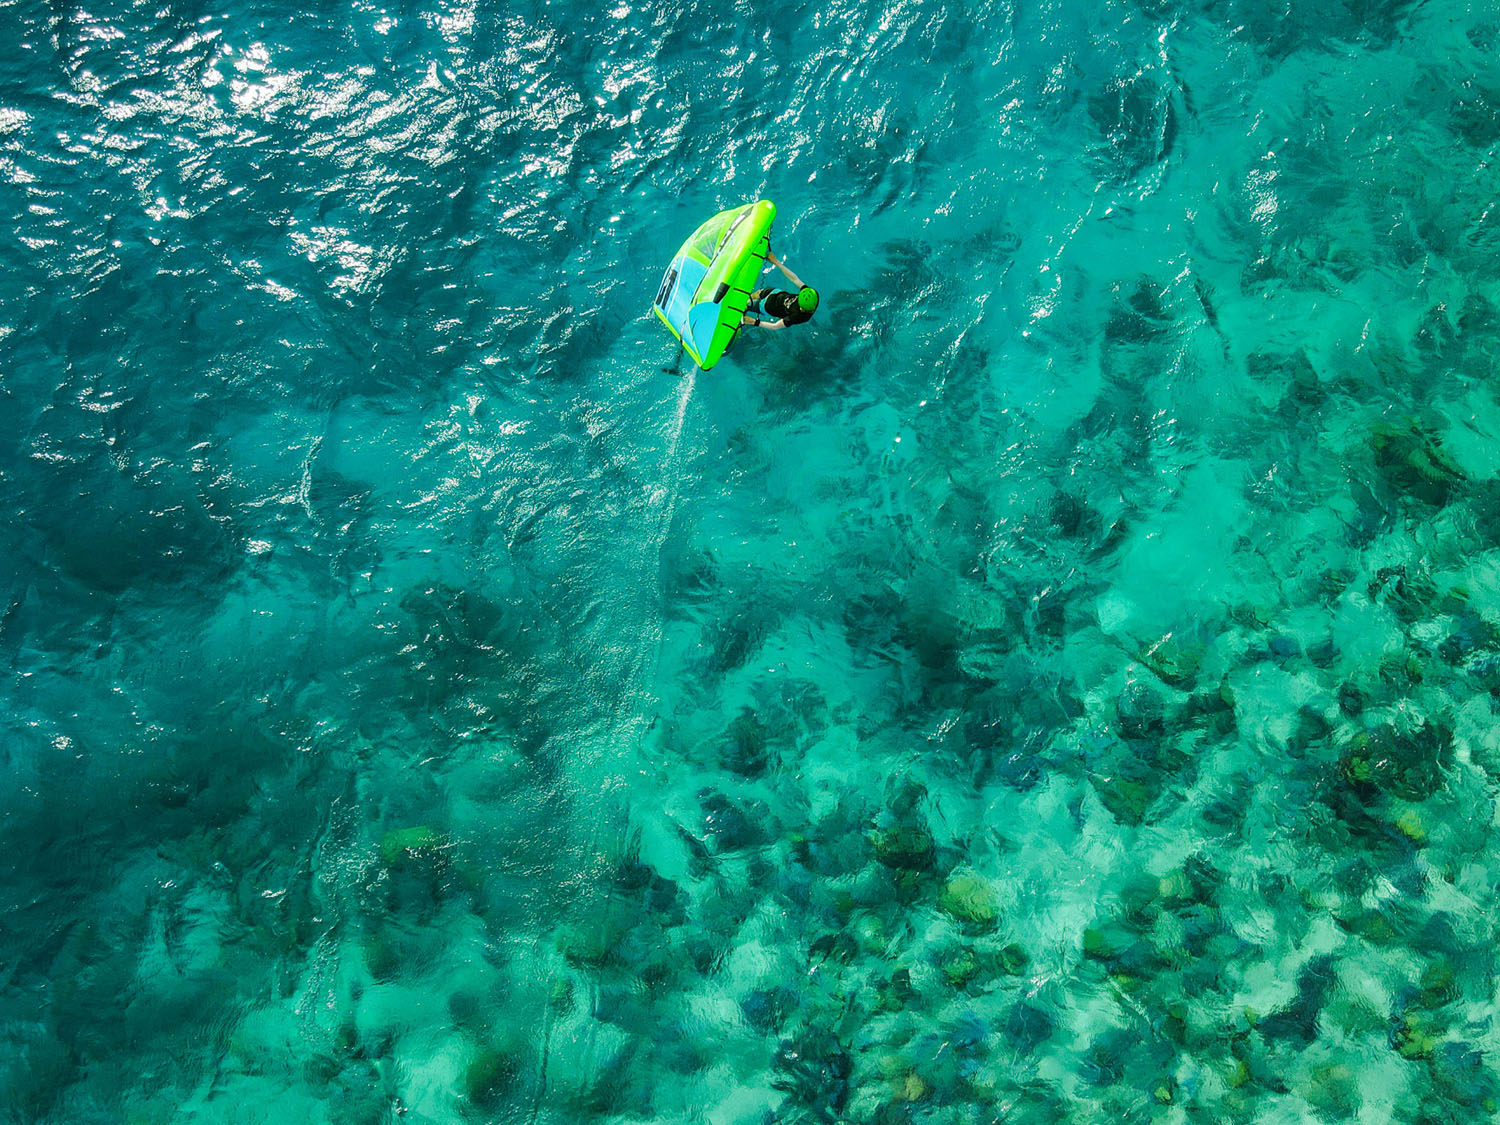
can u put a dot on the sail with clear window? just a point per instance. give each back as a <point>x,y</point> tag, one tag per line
<point>707,287</point>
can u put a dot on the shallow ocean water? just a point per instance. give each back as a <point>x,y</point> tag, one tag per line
<point>1057,684</point>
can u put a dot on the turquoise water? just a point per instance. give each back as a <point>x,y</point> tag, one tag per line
<point>1057,684</point>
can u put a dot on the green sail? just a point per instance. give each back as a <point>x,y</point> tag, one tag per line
<point>707,287</point>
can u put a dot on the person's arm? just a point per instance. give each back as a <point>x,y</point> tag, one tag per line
<point>770,325</point>
<point>779,264</point>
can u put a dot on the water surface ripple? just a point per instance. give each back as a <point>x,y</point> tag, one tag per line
<point>1057,684</point>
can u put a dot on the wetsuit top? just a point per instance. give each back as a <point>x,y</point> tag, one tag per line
<point>780,305</point>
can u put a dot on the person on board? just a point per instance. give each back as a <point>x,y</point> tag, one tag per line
<point>776,308</point>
